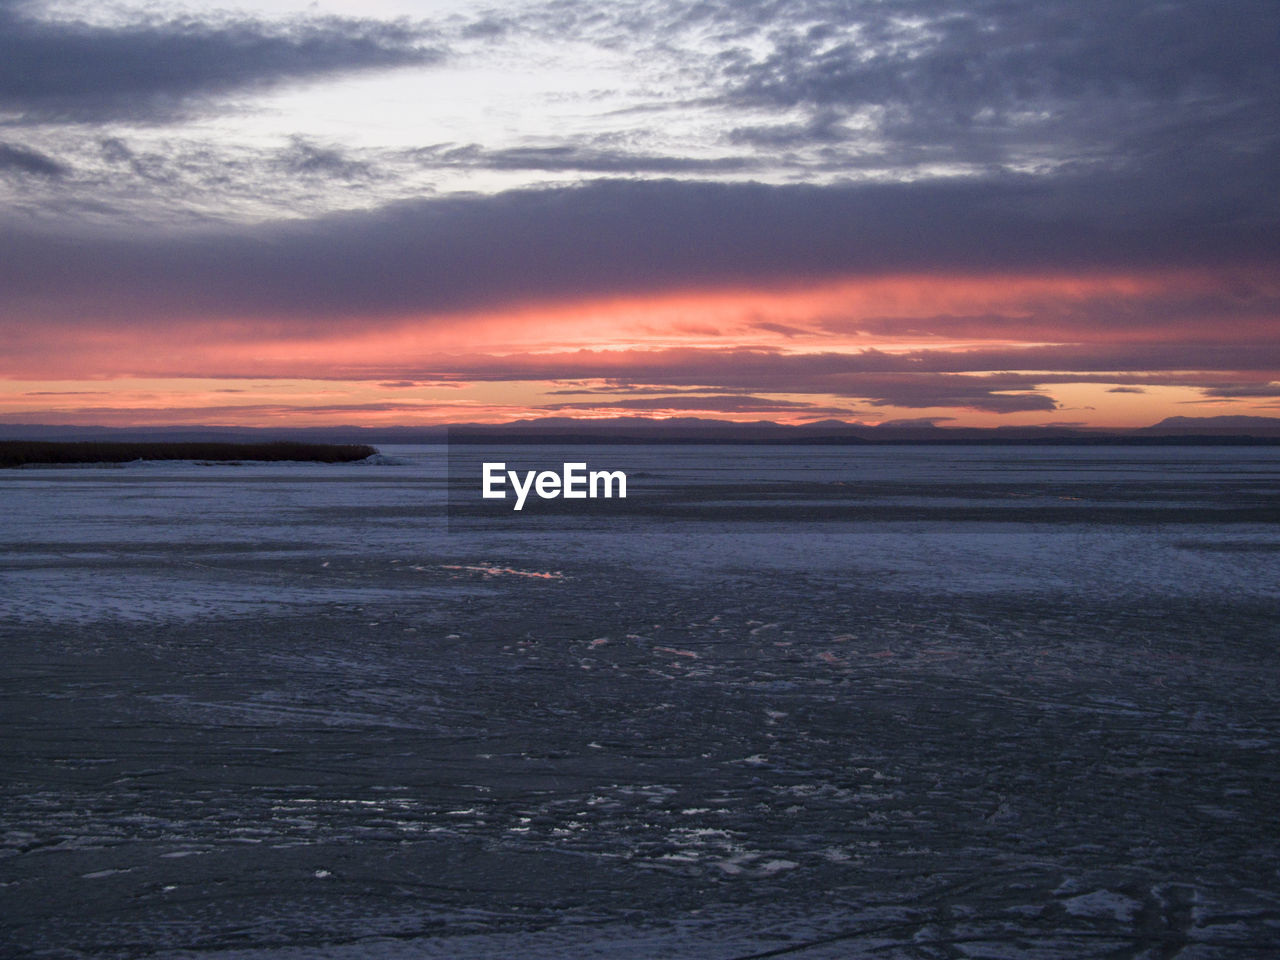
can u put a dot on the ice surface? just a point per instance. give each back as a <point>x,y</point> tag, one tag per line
<point>1014,702</point>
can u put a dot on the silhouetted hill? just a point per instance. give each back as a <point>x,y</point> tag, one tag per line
<point>1225,429</point>
<point>1217,426</point>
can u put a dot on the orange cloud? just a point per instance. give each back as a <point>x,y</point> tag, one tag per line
<point>887,313</point>
<point>998,343</point>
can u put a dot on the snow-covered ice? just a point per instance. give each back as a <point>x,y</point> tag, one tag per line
<point>811,702</point>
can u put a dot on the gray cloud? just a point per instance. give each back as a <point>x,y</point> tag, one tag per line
<point>1117,107</point>
<point>1182,93</point>
<point>571,157</point>
<point>824,126</point>
<point>957,392</point>
<point>909,390</point>
<point>919,379</point>
<point>613,387</point>
<point>1186,87</point>
<point>1237,390</point>
<point>72,71</point>
<point>835,374</point>
<point>65,393</point>
<point>310,159</point>
<point>915,421</point>
<point>723,403</point>
<point>153,168</point>
<point>612,237</point>
<point>831,371</point>
<point>15,158</point>
<point>1077,68</point>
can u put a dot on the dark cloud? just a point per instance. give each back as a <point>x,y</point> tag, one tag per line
<point>1103,354</point>
<point>966,392</point>
<point>936,378</point>
<point>150,166</point>
<point>915,421</point>
<point>613,387</point>
<point>910,390</point>
<point>877,378</point>
<point>731,403</point>
<point>115,150</point>
<point>65,393</point>
<point>824,126</point>
<point>991,55</point>
<point>729,369</point>
<point>419,384</point>
<point>614,237</point>
<point>309,159</point>
<point>994,82</point>
<point>488,28</point>
<point>1126,390</point>
<point>569,158</point>
<point>15,158</point>
<point>782,329</point>
<point>1178,94</point>
<point>1239,390</point>
<point>65,70</point>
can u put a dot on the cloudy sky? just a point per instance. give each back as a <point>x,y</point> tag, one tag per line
<point>394,212</point>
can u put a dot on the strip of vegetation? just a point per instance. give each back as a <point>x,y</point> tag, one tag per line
<point>17,453</point>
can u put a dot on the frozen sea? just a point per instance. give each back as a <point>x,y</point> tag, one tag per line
<point>804,702</point>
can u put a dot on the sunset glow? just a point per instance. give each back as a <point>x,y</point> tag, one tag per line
<point>705,213</point>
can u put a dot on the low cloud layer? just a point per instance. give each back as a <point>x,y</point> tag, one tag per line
<point>610,238</point>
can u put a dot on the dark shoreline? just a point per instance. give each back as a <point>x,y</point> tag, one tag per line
<point>17,453</point>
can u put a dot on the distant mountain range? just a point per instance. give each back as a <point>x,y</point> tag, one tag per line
<point>1225,429</point>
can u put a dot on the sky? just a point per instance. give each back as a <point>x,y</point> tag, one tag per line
<point>973,213</point>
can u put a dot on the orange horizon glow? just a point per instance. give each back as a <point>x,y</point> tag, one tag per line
<point>496,366</point>
<point>356,403</point>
